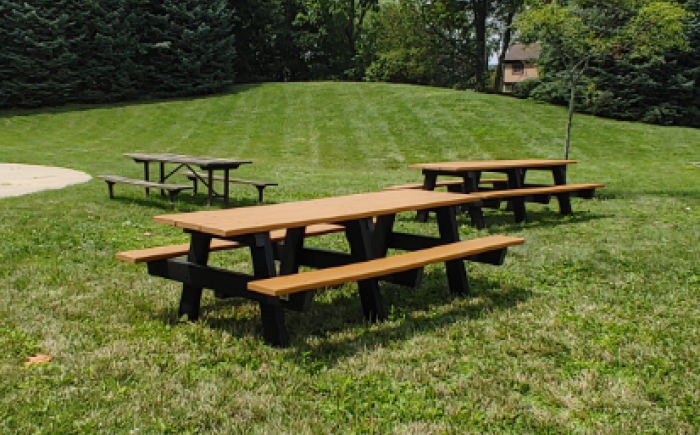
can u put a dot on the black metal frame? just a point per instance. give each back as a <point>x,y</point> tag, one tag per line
<point>516,180</point>
<point>209,183</point>
<point>367,240</point>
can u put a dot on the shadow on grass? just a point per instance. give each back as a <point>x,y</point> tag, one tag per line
<point>334,328</point>
<point>84,107</point>
<point>412,312</point>
<point>504,220</point>
<point>188,202</point>
<point>539,219</point>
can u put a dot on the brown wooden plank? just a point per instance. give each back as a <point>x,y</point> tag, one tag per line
<point>288,284</point>
<point>493,181</point>
<point>487,165</point>
<point>142,183</point>
<point>246,220</point>
<point>193,175</point>
<point>163,252</point>
<point>188,160</point>
<point>445,183</point>
<point>547,190</point>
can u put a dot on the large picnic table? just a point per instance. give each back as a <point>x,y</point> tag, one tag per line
<point>368,222</point>
<point>515,170</point>
<point>210,165</point>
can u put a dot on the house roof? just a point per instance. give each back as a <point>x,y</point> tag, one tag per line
<point>523,52</point>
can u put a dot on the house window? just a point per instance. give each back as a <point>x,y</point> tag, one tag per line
<point>518,68</point>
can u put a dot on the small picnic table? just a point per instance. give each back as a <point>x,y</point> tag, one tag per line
<point>204,163</point>
<point>470,172</point>
<point>368,239</point>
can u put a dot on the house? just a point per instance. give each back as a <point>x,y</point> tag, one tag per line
<point>518,64</point>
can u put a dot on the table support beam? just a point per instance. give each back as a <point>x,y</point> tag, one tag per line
<point>515,181</point>
<point>272,315</point>
<point>564,199</point>
<point>191,296</point>
<point>430,178</point>
<point>290,260</point>
<point>146,175</point>
<point>449,233</point>
<point>359,237</point>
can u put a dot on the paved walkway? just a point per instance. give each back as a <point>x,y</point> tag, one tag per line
<point>16,180</point>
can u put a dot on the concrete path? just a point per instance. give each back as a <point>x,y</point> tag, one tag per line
<point>16,179</point>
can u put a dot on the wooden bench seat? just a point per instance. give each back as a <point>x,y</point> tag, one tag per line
<point>452,185</point>
<point>289,284</point>
<point>539,194</point>
<point>165,252</point>
<point>260,185</point>
<point>574,190</point>
<point>173,189</point>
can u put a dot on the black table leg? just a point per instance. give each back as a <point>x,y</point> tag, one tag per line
<point>291,251</point>
<point>162,177</point>
<point>272,315</point>
<point>226,186</point>
<point>515,181</point>
<point>449,233</point>
<point>210,180</point>
<point>359,237</point>
<point>564,199</point>
<point>428,184</point>
<point>471,184</point>
<point>381,238</point>
<point>146,175</point>
<point>191,296</point>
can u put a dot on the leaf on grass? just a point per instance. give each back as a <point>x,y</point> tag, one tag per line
<point>38,359</point>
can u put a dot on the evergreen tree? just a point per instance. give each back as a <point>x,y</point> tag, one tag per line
<point>36,62</point>
<point>185,46</point>
<point>72,51</point>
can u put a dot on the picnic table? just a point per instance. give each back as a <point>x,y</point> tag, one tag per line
<point>368,222</point>
<point>210,165</point>
<point>515,170</point>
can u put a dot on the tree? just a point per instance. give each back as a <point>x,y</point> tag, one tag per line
<point>504,17</point>
<point>582,31</point>
<point>333,29</point>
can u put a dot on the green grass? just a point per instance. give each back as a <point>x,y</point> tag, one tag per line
<point>591,326</point>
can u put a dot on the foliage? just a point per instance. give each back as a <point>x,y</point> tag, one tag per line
<point>524,88</point>
<point>186,46</point>
<point>406,51</point>
<point>334,30</point>
<point>591,326</point>
<point>662,89</point>
<point>581,31</point>
<point>430,42</point>
<point>56,52</point>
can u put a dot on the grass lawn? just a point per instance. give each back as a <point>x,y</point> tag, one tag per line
<point>591,326</point>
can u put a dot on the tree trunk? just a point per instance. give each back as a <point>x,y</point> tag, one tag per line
<point>505,42</point>
<point>572,99</point>
<point>480,9</point>
<point>350,30</point>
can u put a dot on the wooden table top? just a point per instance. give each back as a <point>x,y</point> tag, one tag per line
<point>255,219</point>
<point>487,165</point>
<point>202,162</point>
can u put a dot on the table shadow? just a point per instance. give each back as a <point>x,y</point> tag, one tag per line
<point>187,202</point>
<point>504,220</point>
<point>336,329</point>
<point>538,219</point>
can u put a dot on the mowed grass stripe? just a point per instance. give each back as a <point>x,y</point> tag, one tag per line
<point>591,326</point>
